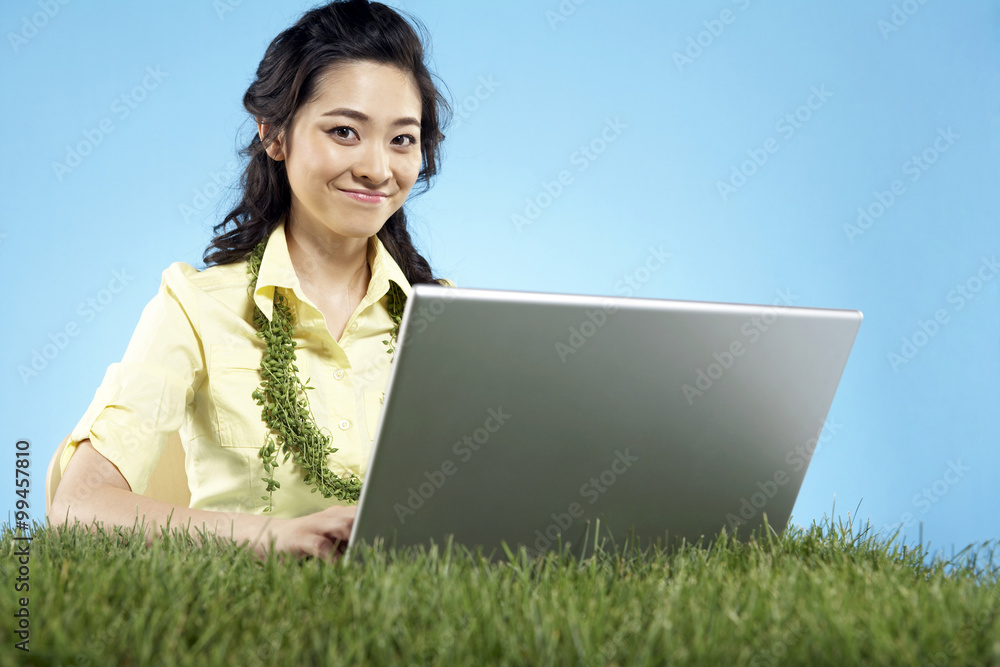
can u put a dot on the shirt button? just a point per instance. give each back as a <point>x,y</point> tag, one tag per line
<point>354,326</point>
<point>339,374</point>
<point>344,424</point>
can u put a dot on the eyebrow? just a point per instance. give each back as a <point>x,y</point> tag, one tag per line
<point>364,118</point>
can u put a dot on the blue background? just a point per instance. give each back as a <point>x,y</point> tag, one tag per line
<point>694,89</point>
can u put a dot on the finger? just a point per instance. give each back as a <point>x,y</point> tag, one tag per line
<point>340,510</point>
<point>337,534</point>
<point>336,528</point>
<point>318,546</point>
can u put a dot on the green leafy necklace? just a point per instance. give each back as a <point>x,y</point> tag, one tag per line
<point>292,428</point>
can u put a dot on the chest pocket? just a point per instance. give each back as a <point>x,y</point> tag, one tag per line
<point>373,411</point>
<point>234,374</point>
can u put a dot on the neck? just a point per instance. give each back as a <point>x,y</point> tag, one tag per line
<point>326,260</point>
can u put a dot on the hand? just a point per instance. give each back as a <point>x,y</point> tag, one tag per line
<point>323,534</point>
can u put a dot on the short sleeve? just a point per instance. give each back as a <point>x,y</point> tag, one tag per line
<point>144,397</point>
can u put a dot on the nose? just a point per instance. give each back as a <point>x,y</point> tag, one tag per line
<point>373,164</point>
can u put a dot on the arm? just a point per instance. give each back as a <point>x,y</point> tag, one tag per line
<point>93,490</point>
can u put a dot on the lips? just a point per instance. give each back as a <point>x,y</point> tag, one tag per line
<point>366,196</point>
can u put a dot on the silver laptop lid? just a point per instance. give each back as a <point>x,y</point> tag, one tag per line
<point>524,417</point>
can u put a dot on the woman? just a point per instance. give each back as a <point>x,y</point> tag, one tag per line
<point>272,361</point>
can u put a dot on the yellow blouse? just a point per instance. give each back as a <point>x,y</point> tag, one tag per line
<point>192,364</point>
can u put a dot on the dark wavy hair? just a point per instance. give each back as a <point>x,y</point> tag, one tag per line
<point>286,79</point>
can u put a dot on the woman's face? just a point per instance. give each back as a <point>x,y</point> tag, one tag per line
<point>353,152</point>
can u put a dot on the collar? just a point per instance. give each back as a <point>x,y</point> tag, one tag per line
<point>276,270</point>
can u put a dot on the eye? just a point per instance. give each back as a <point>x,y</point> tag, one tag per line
<point>407,140</point>
<point>342,132</point>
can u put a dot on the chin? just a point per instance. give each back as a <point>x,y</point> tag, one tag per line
<point>365,231</point>
<point>353,228</point>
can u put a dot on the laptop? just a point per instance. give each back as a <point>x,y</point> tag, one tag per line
<point>566,422</point>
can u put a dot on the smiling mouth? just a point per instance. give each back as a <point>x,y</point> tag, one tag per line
<point>365,197</point>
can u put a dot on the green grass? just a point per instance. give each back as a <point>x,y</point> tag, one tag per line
<point>827,595</point>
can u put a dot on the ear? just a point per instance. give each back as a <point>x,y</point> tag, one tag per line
<point>275,149</point>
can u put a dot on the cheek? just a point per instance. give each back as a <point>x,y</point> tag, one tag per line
<point>408,171</point>
<point>316,162</point>
<point>323,161</point>
<point>301,170</point>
